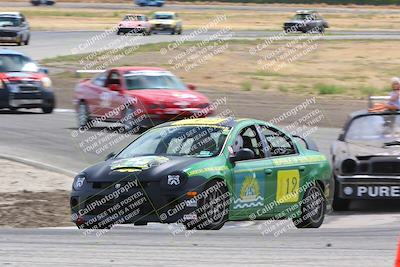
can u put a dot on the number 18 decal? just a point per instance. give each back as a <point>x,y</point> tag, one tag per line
<point>288,184</point>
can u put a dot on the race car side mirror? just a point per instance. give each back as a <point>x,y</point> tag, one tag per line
<point>191,86</point>
<point>109,156</point>
<point>243,154</point>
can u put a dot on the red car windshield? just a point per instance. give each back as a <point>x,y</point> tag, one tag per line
<point>153,81</point>
<point>17,63</point>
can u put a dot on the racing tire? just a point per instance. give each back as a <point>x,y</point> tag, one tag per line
<point>48,109</point>
<point>313,208</point>
<point>20,42</point>
<point>173,31</point>
<point>27,40</point>
<point>321,29</point>
<point>213,211</point>
<point>118,32</point>
<point>180,31</point>
<point>83,115</point>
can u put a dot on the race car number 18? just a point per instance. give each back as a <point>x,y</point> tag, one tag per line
<point>288,184</point>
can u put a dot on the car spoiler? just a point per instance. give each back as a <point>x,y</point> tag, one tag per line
<point>78,73</point>
<point>371,99</point>
<point>309,143</point>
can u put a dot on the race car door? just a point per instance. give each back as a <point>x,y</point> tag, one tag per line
<point>288,168</point>
<point>253,186</point>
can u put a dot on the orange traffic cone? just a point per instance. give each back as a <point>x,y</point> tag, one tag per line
<point>397,263</point>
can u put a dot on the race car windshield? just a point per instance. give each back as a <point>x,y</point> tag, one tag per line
<point>17,63</point>
<point>9,22</point>
<point>134,18</point>
<point>163,16</point>
<point>303,17</point>
<point>153,81</point>
<point>375,128</point>
<point>191,141</point>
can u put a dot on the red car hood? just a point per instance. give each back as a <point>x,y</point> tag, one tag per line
<point>132,23</point>
<point>169,96</point>
<point>17,76</point>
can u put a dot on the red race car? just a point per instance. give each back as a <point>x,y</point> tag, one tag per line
<point>137,97</point>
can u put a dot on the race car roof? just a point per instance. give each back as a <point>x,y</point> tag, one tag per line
<point>10,14</point>
<point>164,13</point>
<point>227,122</point>
<point>366,112</point>
<point>125,69</point>
<point>10,52</point>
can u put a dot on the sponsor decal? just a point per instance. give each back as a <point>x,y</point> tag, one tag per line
<point>137,164</point>
<point>249,196</point>
<point>377,191</point>
<point>173,179</point>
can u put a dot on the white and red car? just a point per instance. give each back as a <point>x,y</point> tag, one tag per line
<point>134,23</point>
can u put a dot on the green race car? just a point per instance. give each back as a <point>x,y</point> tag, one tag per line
<point>202,173</point>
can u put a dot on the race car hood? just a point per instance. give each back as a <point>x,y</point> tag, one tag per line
<point>162,21</point>
<point>363,149</point>
<point>132,23</point>
<point>145,168</point>
<point>169,96</point>
<point>17,76</point>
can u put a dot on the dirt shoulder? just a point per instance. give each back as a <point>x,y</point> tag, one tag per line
<point>32,197</point>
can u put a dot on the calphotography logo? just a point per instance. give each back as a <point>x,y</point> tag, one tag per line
<point>174,179</point>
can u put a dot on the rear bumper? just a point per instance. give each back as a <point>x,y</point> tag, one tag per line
<point>368,187</point>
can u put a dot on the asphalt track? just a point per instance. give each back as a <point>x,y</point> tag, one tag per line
<point>47,44</point>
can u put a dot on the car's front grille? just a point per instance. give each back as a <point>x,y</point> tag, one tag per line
<point>8,34</point>
<point>386,168</point>
<point>26,86</point>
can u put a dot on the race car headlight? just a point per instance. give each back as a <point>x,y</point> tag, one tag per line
<point>46,82</point>
<point>349,166</point>
<point>79,182</point>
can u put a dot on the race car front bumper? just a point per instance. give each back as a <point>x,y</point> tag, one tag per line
<point>143,202</point>
<point>368,187</point>
<point>134,30</point>
<point>172,114</point>
<point>26,97</point>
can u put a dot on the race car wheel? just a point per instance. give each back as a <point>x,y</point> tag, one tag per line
<point>180,31</point>
<point>27,40</point>
<point>48,109</point>
<point>313,208</point>
<point>173,31</point>
<point>321,29</point>
<point>214,208</point>
<point>83,115</point>
<point>118,32</point>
